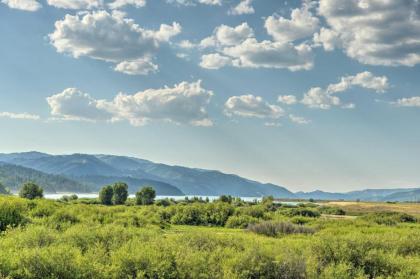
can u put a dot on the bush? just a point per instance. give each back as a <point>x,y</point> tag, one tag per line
<point>240,222</point>
<point>106,194</point>
<point>390,218</point>
<point>304,212</point>
<point>146,196</point>
<point>30,190</point>
<point>120,193</point>
<point>332,210</point>
<point>274,229</point>
<point>10,214</point>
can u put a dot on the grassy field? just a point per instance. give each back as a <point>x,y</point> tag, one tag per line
<point>364,207</point>
<point>194,239</point>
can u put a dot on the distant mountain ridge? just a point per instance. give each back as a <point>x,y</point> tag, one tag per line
<point>93,171</point>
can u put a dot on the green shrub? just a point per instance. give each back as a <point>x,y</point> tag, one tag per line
<point>390,218</point>
<point>241,222</point>
<point>304,212</point>
<point>30,190</point>
<point>274,229</point>
<point>332,210</point>
<point>11,214</point>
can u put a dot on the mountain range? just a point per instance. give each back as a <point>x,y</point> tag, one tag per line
<point>88,173</point>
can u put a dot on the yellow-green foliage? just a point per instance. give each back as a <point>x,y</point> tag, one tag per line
<point>48,239</point>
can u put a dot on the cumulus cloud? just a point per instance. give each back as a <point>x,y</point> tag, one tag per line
<point>118,4</point>
<point>184,103</point>
<point>267,54</point>
<point>25,5</point>
<point>408,102</point>
<point>252,106</point>
<point>373,32</point>
<point>109,37</point>
<point>76,4</point>
<point>137,67</point>
<point>22,116</point>
<point>195,2</point>
<point>73,104</point>
<point>214,61</point>
<point>300,25</point>
<point>243,8</point>
<point>298,119</point>
<point>225,35</point>
<point>365,80</point>
<point>327,38</point>
<point>239,45</point>
<point>318,97</point>
<point>287,99</point>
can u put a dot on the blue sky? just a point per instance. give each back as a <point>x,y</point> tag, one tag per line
<point>304,94</point>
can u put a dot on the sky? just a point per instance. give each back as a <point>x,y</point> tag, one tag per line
<point>304,94</point>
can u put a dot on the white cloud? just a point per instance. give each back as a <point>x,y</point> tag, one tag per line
<point>225,35</point>
<point>301,25</point>
<point>25,5</point>
<point>321,98</point>
<point>137,67</point>
<point>195,2</point>
<point>109,37</point>
<point>73,104</point>
<point>364,79</point>
<point>186,44</point>
<point>243,8</point>
<point>118,4</point>
<point>375,32</point>
<point>317,97</point>
<point>267,54</point>
<point>408,102</point>
<point>22,116</point>
<point>214,61</point>
<point>327,38</point>
<point>184,103</point>
<point>76,4</point>
<point>252,106</point>
<point>287,99</point>
<point>244,51</point>
<point>299,120</point>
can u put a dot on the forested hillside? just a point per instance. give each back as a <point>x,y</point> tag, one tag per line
<point>13,177</point>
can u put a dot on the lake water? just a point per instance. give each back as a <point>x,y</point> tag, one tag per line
<point>211,198</point>
<point>95,195</point>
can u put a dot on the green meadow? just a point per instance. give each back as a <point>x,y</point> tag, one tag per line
<point>226,238</point>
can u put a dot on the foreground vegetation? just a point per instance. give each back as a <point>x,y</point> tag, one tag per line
<point>227,238</point>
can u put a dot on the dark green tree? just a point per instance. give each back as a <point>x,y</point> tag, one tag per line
<point>105,195</point>
<point>120,193</point>
<point>146,196</point>
<point>30,190</point>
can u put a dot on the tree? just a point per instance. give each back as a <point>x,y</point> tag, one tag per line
<point>30,190</point>
<point>120,193</point>
<point>105,195</point>
<point>146,196</point>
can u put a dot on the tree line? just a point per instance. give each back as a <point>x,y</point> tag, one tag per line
<point>114,194</point>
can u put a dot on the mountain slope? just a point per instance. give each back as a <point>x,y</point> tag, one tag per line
<point>134,184</point>
<point>190,181</point>
<point>412,196</point>
<point>13,177</point>
<point>401,194</point>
